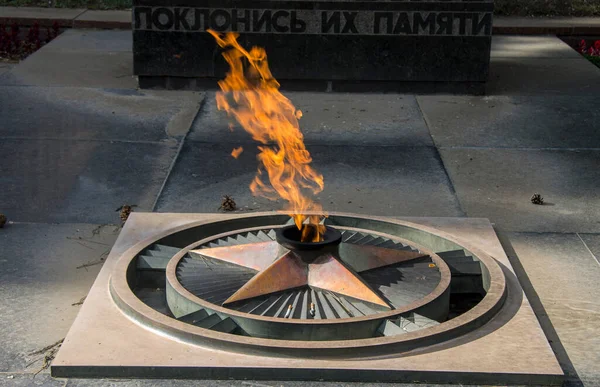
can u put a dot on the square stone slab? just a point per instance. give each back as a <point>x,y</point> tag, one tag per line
<point>92,40</point>
<point>96,114</point>
<point>513,122</point>
<point>48,67</point>
<point>565,276</point>
<point>538,76</point>
<point>374,180</point>
<point>499,183</point>
<point>5,67</point>
<point>332,119</point>
<point>80,181</point>
<point>103,342</point>
<point>509,46</point>
<point>592,242</point>
<point>41,277</point>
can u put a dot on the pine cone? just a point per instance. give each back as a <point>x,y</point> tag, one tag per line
<point>2,220</point>
<point>125,211</point>
<point>537,199</point>
<point>228,204</point>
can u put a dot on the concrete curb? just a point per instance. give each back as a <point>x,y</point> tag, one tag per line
<point>82,18</point>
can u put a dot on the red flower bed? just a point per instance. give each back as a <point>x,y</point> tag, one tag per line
<point>591,50</point>
<point>16,45</point>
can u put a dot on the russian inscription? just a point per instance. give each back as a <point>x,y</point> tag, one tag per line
<point>187,19</point>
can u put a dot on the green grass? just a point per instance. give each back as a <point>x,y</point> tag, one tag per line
<point>503,7</point>
<point>594,59</point>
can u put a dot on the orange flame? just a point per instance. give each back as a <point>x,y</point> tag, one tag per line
<point>251,95</point>
<point>236,152</point>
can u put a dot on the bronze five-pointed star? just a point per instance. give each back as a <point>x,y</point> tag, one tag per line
<point>281,269</point>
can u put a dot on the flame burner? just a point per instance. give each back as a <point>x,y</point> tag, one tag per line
<point>290,237</point>
<point>254,277</point>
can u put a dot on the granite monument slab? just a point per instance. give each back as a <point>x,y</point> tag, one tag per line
<point>424,41</point>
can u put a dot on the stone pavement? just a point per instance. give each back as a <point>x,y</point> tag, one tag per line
<point>78,140</point>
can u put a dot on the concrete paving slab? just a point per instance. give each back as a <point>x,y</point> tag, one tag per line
<point>28,379</point>
<point>103,19</point>
<point>80,69</point>
<point>531,47</point>
<point>498,184</point>
<point>374,180</point>
<point>333,118</point>
<point>525,76</point>
<point>5,67</point>
<point>592,242</point>
<point>565,276</point>
<point>80,181</point>
<point>108,114</point>
<point>513,121</point>
<point>92,40</point>
<point>39,282</point>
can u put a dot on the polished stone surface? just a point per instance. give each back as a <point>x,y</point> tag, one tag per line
<point>498,184</point>
<point>96,114</point>
<point>565,277</point>
<point>512,121</point>
<point>39,282</point>
<point>331,119</point>
<point>371,180</point>
<point>80,181</point>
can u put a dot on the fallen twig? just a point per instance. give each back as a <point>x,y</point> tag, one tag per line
<point>43,350</point>
<point>80,302</point>
<point>49,354</point>
<point>93,263</point>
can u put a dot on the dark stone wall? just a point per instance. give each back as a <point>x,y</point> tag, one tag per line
<point>319,40</point>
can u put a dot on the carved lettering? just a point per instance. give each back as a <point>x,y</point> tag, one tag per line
<point>349,23</point>
<point>402,26</point>
<point>275,20</point>
<point>147,13</point>
<point>162,18</point>
<point>333,20</point>
<point>462,22</point>
<point>297,25</point>
<point>197,23</point>
<point>420,24</point>
<point>237,19</point>
<point>220,20</point>
<point>377,16</point>
<point>181,19</point>
<point>484,24</point>
<point>313,22</point>
<point>444,21</point>
<point>258,20</point>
